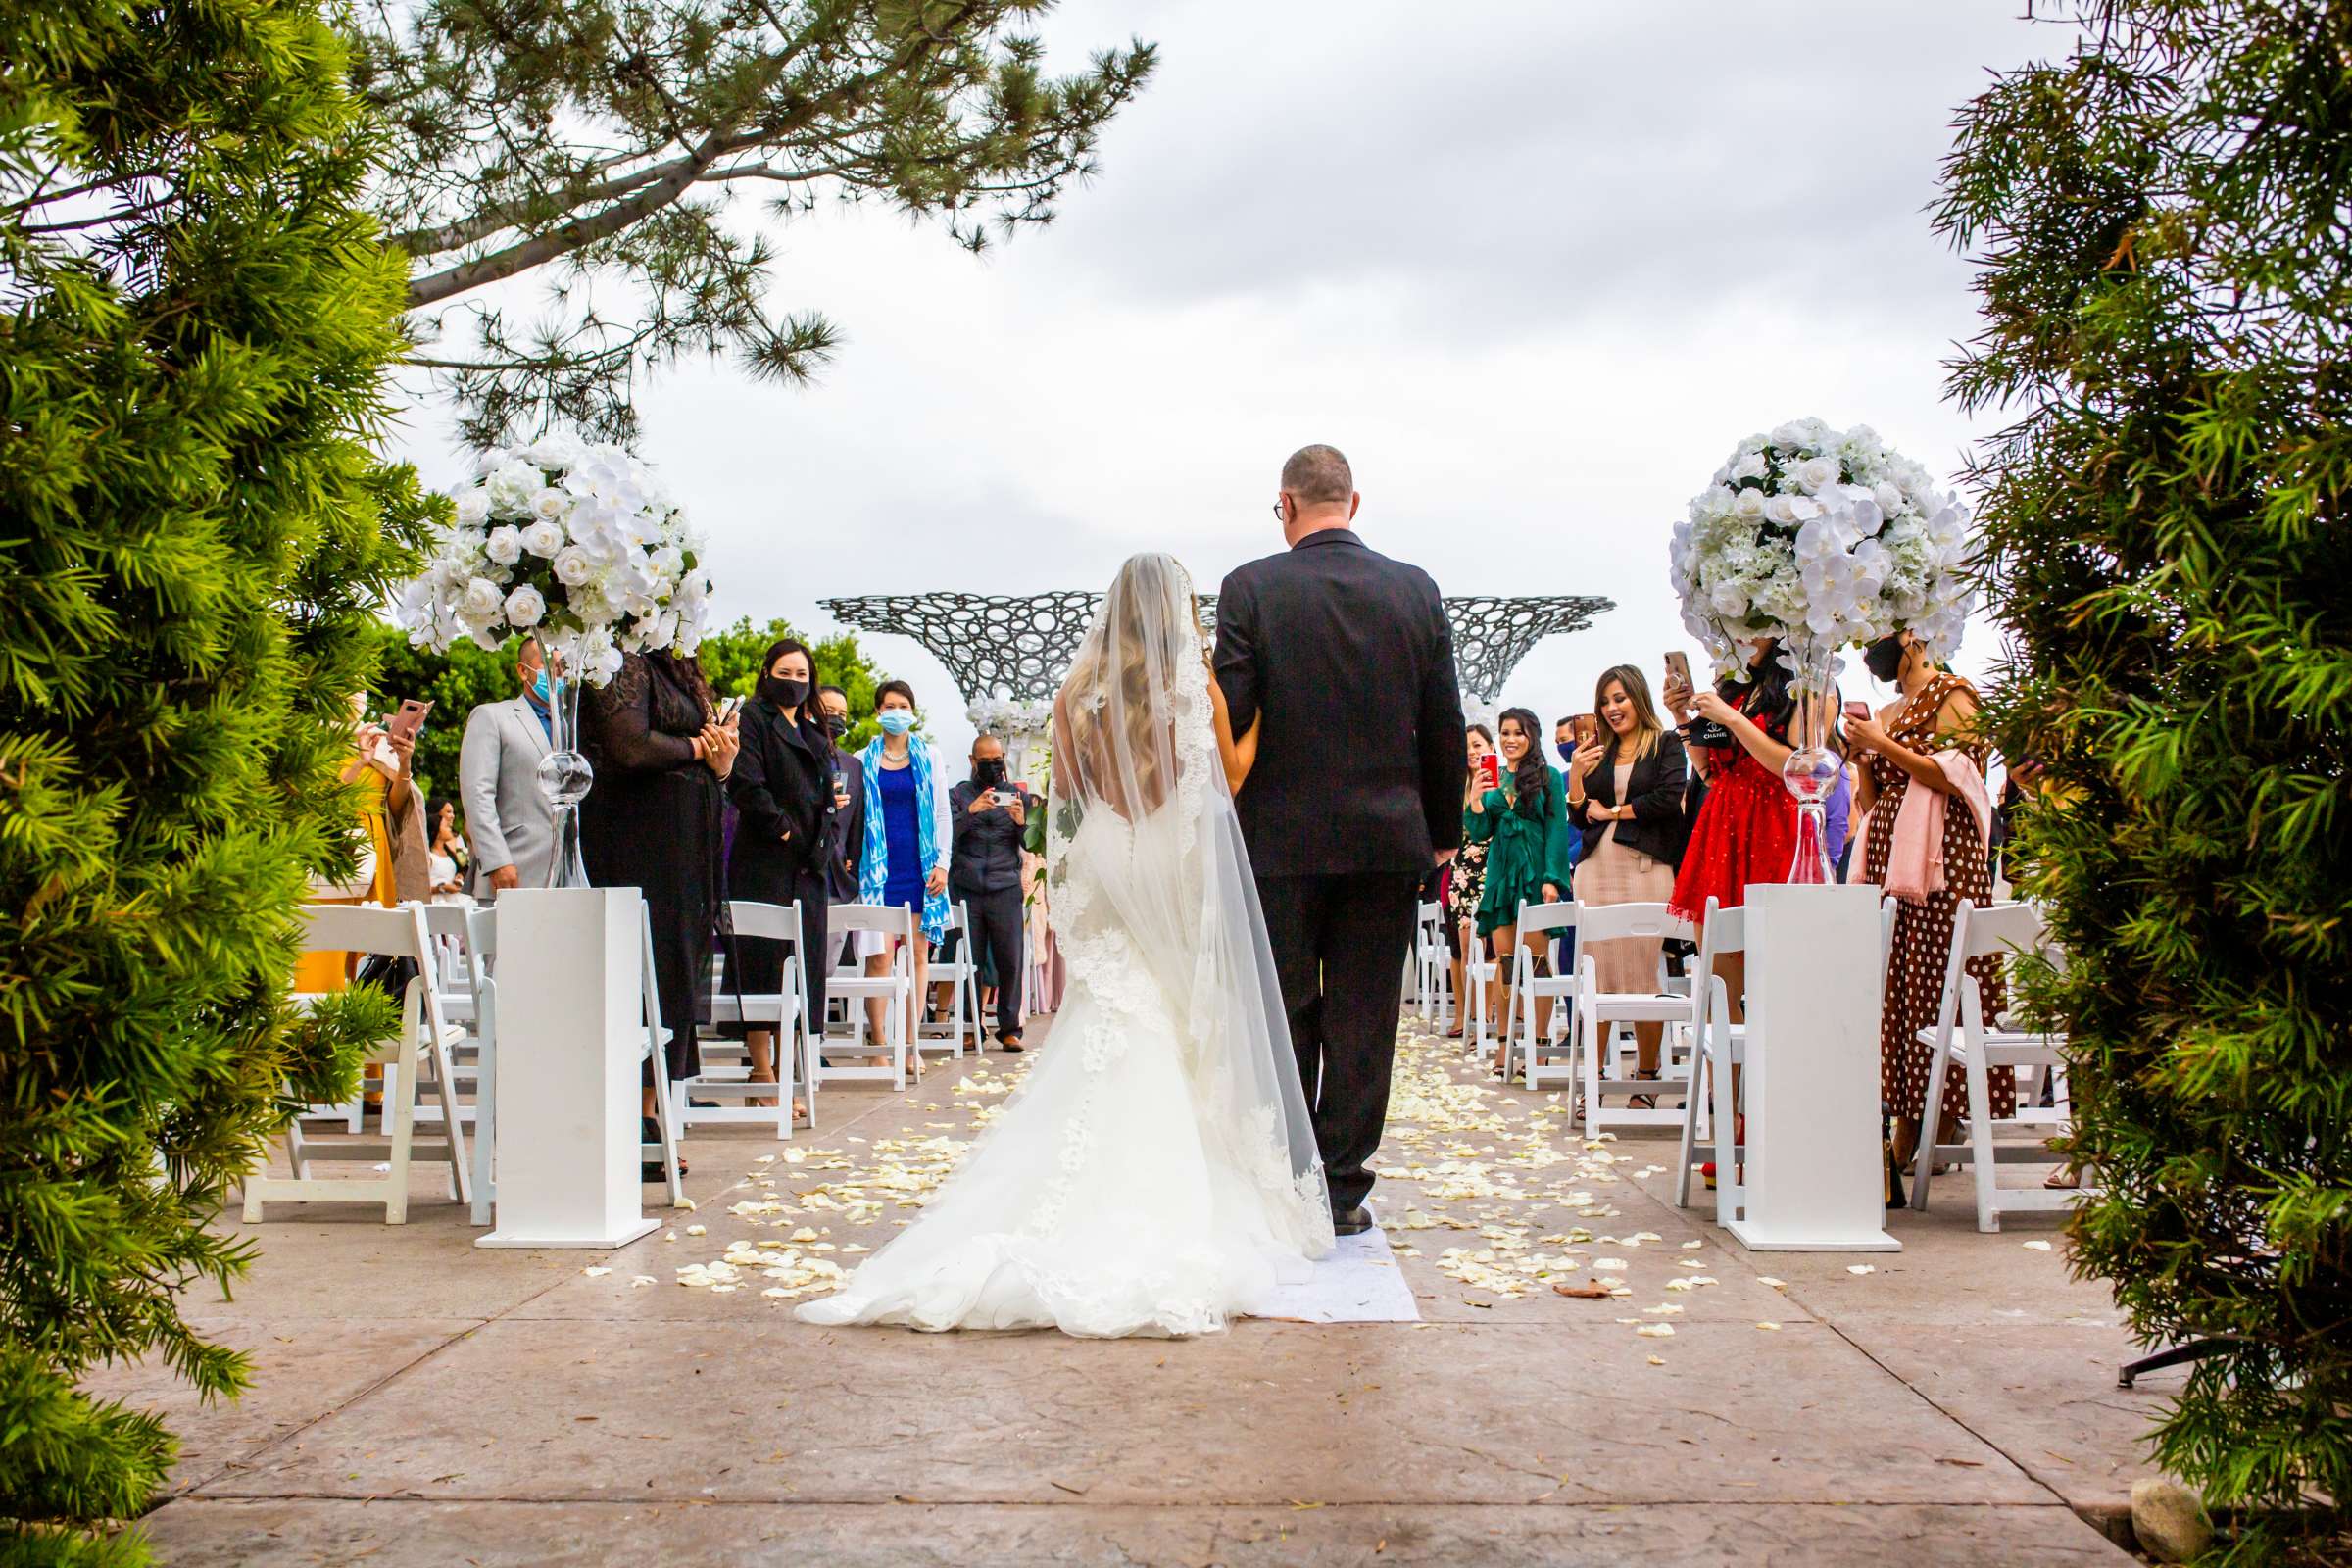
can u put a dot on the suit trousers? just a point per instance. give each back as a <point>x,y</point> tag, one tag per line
<point>1339,948</point>
<point>1000,929</point>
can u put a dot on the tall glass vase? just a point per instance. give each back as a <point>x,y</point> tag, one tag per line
<point>565,775</point>
<point>1812,769</point>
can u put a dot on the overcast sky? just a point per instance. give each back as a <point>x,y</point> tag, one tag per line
<point>1535,266</point>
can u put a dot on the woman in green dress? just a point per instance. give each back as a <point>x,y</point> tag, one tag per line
<point>1531,847</point>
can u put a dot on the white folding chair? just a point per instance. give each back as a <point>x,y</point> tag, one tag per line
<point>1433,966</point>
<point>422,1039</point>
<point>1519,1024</point>
<point>656,1057</point>
<point>779,1012</point>
<point>895,987</point>
<point>1478,973</point>
<point>1718,1048</point>
<point>467,935</point>
<point>1600,1014</point>
<point>454,965</point>
<point>962,974</point>
<point>1964,1038</point>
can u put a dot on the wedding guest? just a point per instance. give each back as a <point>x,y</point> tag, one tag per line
<point>784,788</point>
<point>991,816</point>
<point>1463,890</point>
<point>902,867</point>
<point>445,857</point>
<point>652,822</point>
<point>393,761</point>
<point>1531,855</point>
<point>1907,748</point>
<point>849,820</point>
<point>1838,818</point>
<point>1625,796</point>
<point>373,768</point>
<point>509,824</point>
<point>1746,830</point>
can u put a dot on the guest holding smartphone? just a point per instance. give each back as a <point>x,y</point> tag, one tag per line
<point>1898,750</point>
<point>1530,854</point>
<point>1469,884</point>
<point>991,816</point>
<point>783,788</point>
<point>1625,796</point>
<point>1746,830</point>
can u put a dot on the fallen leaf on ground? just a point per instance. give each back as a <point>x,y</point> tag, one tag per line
<point>1582,1292</point>
<point>1860,1268</point>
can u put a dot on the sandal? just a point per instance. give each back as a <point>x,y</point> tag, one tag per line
<point>1643,1101</point>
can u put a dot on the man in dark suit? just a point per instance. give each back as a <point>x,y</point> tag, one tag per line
<point>849,819</point>
<point>1345,658</point>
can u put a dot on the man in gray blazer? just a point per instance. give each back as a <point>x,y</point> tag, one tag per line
<point>509,824</point>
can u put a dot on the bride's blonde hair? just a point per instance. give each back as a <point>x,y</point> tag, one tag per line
<point>1150,621</point>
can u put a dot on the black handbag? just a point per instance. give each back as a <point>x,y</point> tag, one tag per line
<point>383,972</point>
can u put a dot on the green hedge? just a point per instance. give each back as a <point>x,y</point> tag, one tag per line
<point>2167,283</point>
<point>193,537</point>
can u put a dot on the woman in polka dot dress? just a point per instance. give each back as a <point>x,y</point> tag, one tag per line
<point>1898,747</point>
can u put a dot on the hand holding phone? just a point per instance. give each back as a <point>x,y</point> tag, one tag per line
<point>1855,708</point>
<point>410,720</point>
<point>1587,728</point>
<point>1490,771</point>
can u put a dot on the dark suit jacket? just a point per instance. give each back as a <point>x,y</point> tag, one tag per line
<point>849,829</point>
<point>1659,829</point>
<point>782,784</point>
<point>1348,657</point>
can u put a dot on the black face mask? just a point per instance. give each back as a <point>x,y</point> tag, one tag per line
<point>837,724</point>
<point>1883,659</point>
<point>785,694</point>
<point>990,773</point>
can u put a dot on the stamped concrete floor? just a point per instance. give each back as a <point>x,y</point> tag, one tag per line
<point>421,1402</point>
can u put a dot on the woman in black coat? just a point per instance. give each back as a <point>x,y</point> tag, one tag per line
<point>784,795</point>
<point>1625,795</point>
<point>652,822</point>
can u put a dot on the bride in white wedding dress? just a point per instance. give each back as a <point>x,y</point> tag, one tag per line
<point>1156,1172</point>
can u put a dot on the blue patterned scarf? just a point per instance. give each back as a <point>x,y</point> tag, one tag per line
<point>873,866</point>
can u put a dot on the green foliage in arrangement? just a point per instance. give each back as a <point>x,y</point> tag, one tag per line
<point>591,151</point>
<point>195,319</point>
<point>2167,278</point>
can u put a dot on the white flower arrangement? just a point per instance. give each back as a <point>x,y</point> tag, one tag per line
<point>579,544</point>
<point>1005,718</point>
<point>1825,539</point>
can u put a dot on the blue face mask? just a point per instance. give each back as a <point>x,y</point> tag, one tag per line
<point>895,721</point>
<point>1567,753</point>
<point>539,688</point>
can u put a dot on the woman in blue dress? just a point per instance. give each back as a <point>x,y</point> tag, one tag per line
<point>904,864</point>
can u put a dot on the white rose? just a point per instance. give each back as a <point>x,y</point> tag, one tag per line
<point>1779,509</point>
<point>511,487</point>
<point>524,607</point>
<point>473,508</point>
<point>555,451</point>
<point>505,544</point>
<point>1748,504</point>
<point>481,601</point>
<point>1818,474</point>
<point>543,539</point>
<point>549,505</point>
<point>572,566</point>
<point>1750,466</point>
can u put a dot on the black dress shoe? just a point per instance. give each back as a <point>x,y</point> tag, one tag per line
<point>1355,1222</point>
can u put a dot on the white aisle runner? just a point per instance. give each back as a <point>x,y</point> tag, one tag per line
<point>1358,1283</point>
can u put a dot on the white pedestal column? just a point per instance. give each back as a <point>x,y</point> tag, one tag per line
<point>1815,1176</point>
<point>570,1035</point>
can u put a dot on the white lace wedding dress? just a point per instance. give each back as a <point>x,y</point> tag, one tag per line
<point>1156,1171</point>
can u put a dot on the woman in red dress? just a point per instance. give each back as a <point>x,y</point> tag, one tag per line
<point>1746,829</point>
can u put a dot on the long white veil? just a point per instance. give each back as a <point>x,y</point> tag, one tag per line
<point>1147,873</point>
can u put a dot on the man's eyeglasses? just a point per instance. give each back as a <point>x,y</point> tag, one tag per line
<point>1278,501</point>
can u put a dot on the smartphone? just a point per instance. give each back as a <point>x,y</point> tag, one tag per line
<point>1006,797</point>
<point>1490,771</point>
<point>408,721</point>
<point>728,707</point>
<point>1678,668</point>
<point>1855,708</point>
<point>1587,728</point>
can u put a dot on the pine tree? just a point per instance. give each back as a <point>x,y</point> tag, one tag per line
<point>195,320</point>
<point>594,148</point>
<point>2168,291</point>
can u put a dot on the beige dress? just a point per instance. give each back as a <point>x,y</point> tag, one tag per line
<point>1617,875</point>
